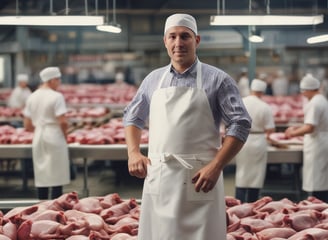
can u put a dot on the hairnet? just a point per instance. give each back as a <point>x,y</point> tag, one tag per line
<point>309,82</point>
<point>258,85</point>
<point>181,19</point>
<point>22,78</point>
<point>50,73</point>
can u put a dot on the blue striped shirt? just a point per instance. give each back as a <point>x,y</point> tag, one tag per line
<point>222,92</point>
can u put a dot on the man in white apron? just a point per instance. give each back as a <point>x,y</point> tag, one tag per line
<point>315,132</point>
<point>183,195</point>
<point>45,115</point>
<point>251,161</point>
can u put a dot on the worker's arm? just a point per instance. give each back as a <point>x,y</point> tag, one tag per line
<point>299,131</point>
<point>28,125</point>
<point>137,161</point>
<point>206,178</point>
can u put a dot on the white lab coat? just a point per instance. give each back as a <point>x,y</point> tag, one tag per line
<point>182,139</point>
<point>251,160</point>
<point>49,147</point>
<point>315,158</point>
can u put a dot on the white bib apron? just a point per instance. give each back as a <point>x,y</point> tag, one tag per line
<point>315,163</point>
<point>251,162</point>
<point>182,139</point>
<point>50,156</point>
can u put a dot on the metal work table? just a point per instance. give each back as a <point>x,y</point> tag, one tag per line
<point>118,152</point>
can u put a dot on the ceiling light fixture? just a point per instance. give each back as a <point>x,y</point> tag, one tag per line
<point>255,37</point>
<point>52,20</point>
<point>262,20</point>
<point>317,39</point>
<point>113,26</point>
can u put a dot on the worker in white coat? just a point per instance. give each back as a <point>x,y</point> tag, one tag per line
<point>251,161</point>
<point>20,93</point>
<point>45,115</point>
<point>315,132</point>
<point>185,102</point>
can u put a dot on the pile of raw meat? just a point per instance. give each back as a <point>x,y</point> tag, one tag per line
<point>71,218</point>
<point>286,108</point>
<point>266,219</point>
<point>112,218</point>
<point>111,132</point>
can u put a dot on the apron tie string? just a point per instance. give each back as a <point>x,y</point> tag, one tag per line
<point>184,163</point>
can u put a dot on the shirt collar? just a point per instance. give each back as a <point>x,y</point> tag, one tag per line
<point>192,70</point>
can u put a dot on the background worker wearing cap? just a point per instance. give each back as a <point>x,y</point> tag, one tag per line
<point>251,161</point>
<point>315,132</point>
<point>21,92</point>
<point>183,195</point>
<point>45,115</point>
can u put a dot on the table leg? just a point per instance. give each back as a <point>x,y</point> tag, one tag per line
<point>85,178</point>
<point>24,173</point>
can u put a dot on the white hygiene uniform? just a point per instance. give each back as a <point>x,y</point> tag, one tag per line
<point>49,147</point>
<point>18,97</point>
<point>182,139</point>
<point>251,160</point>
<point>315,152</point>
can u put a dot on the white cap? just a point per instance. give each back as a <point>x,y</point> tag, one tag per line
<point>50,73</point>
<point>309,82</point>
<point>119,76</point>
<point>22,78</point>
<point>258,85</point>
<point>181,20</point>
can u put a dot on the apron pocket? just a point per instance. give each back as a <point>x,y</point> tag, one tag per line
<point>153,179</point>
<point>192,195</point>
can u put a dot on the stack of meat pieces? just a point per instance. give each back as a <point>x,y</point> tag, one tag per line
<point>276,220</point>
<point>71,218</point>
<point>112,218</point>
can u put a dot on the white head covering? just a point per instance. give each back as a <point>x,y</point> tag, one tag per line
<point>258,85</point>
<point>22,78</point>
<point>309,82</point>
<point>181,19</point>
<point>49,73</point>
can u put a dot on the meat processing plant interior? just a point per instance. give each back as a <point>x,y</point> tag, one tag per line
<point>163,120</point>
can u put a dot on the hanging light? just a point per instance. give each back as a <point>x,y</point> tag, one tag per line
<point>51,20</point>
<point>255,36</point>
<point>317,39</point>
<point>113,26</point>
<point>263,20</point>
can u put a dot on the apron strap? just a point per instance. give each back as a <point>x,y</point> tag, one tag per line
<point>198,78</point>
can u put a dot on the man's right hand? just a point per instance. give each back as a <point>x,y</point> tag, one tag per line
<point>137,165</point>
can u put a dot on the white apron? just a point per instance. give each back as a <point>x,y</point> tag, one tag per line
<point>251,162</point>
<point>315,162</point>
<point>182,139</point>
<point>50,156</point>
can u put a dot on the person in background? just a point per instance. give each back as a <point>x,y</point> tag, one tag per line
<point>315,132</point>
<point>185,102</point>
<point>21,92</point>
<point>44,114</point>
<point>251,161</point>
<point>280,84</point>
<point>243,83</point>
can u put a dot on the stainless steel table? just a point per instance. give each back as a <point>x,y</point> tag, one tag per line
<point>118,152</point>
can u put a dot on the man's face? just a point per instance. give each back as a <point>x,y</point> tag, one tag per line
<point>181,44</point>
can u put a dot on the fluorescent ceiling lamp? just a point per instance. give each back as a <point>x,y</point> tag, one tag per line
<point>317,39</point>
<point>247,20</point>
<point>113,28</point>
<point>52,20</point>
<point>256,39</point>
